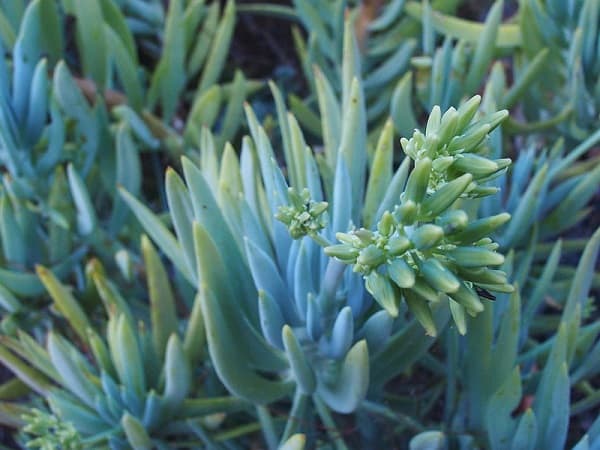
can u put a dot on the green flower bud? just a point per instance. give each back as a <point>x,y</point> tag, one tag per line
<point>383,292</point>
<point>482,191</point>
<point>366,236</point>
<point>302,216</point>
<point>406,213</point>
<point>438,276</point>
<point>481,228</point>
<point>448,126</point>
<point>453,221</point>
<point>475,257</point>
<point>401,273</point>
<point>424,290</point>
<point>398,245</point>
<point>318,208</point>
<point>426,236</point>
<point>344,252</point>
<point>418,180</point>
<point>483,275</point>
<point>458,315</point>
<point>349,238</point>
<point>467,298</point>
<point>496,118</point>
<point>387,224</point>
<point>421,311</point>
<point>441,164</point>
<point>476,165</point>
<point>471,139</point>
<point>433,122</point>
<point>371,256</point>
<point>466,112</point>
<point>445,196</point>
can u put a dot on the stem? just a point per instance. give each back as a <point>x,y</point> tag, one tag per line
<point>451,380</point>
<point>395,416</point>
<point>578,151</point>
<point>296,415</point>
<point>514,127</point>
<point>268,9</point>
<point>320,239</point>
<point>199,430</point>
<point>237,432</point>
<point>268,428</point>
<point>331,428</point>
<point>587,403</point>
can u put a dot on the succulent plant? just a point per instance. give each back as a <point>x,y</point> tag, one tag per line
<point>131,386</point>
<point>336,286</point>
<point>318,324</point>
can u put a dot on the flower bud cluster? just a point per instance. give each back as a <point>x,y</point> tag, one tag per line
<point>425,248</point>
<point>303,216</point>
<point>455,145</point>
<point>447,256</point>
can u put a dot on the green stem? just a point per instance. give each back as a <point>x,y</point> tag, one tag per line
<point>392,415</point>
<point>514,127</point>
<point>320,239</point>
<point>268,427</point>
<point>587,403</point>
<point>199,430</point>
<point>578,151</point>
<point>296,415</point>
<point>268,9</point>
<point>451,367</point>
<point>332,430</point>
<point>237,432</point>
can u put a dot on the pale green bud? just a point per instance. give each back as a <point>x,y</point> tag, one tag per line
<point>349,238</point>
<point>398,245</point>
<point>453,221</point>
<point>366,236</point>
<point>467,298</point>
<point>344,252</point>
<point>482,191</point>
<point>438,276</point>
<point>401,273</point>
<point>441,164</point>
<point>371,256</point>
<point>426,236</point>
<point>418,180</point>
<point>318,208</point>
<point>469,140</point>
<point>496,118</point>
<point>481,228</point>
<point>476,165</point>
<point>448,126</point>
<point>475,257</point>
<point>421,311</point>
<point>425,290</point>
<point>445,196</point>
<point>387,224</point>
<point>433,122</point>
<point>383,292</point>
<point>483,275</point>
<point>406,212</point>
<point>466,112</point>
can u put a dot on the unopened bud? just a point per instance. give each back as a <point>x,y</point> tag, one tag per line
<point>426,236</point>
